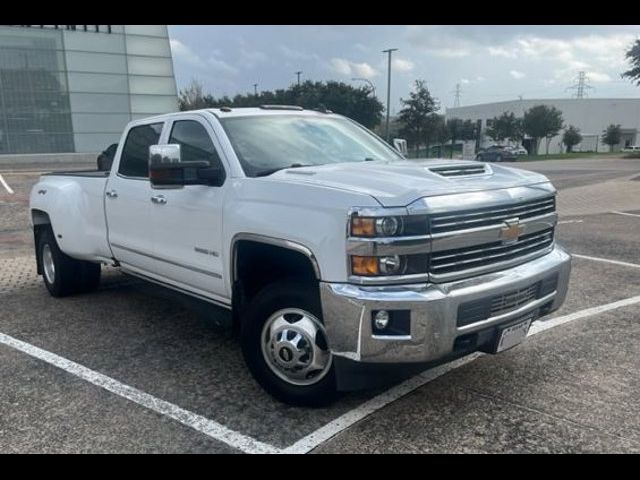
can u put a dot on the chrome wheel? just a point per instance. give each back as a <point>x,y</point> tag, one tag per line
<point>295,348</point>
<point>48,264</point>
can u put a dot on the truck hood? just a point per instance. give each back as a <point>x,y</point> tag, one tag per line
<point>395,184</point>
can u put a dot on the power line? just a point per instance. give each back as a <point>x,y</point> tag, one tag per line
<point>580,86</point>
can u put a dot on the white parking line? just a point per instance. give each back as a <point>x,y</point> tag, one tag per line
<point>625,213</point>
<point>5,185</point>
<point>606,260</point>
<point>570,221</point>
<point>314,439</point>
<point>249,444</point>
<point>197,422</point>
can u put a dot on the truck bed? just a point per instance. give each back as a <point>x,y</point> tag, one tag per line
<point>79,173</point>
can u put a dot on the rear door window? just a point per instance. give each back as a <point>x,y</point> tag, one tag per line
<point>134,161</point>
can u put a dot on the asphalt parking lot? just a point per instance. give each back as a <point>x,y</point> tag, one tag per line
<point>130,369</point>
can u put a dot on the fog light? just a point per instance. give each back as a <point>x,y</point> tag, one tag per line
<point>381,320</point>
<point>391,265</point>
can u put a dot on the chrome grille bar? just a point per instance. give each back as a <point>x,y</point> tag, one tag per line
<point>490,216</point>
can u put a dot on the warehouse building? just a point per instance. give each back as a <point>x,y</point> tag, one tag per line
<point>590,115</point>
<point>72,88</point>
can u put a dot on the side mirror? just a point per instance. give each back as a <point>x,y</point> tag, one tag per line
<point>167,170</point>
<point>400,144</point>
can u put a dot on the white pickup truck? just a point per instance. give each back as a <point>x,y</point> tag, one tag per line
<point>343,263</point>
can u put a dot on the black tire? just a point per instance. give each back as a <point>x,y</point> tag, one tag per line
<point>70,275</point>
<point>274,297</point>
<point>89,276</point>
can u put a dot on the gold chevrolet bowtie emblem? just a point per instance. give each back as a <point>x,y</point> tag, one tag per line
<point>511,231</point>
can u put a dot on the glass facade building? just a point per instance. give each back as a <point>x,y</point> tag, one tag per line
<point>73,88</point>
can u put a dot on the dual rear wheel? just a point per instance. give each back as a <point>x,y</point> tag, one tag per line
<point>62,274</point>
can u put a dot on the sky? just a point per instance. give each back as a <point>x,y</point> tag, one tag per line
<point>489,63</point>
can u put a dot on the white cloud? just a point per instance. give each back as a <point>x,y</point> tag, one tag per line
<point>598,77</point>
<point>251,58</point>
<point>465,81</point>
<point>516,74</point>
<point>182,53</point>
<point>402,65</point>
<point>348,68</point>
<point>294,54</point>
<point>221,66</point>
<point>502,52</point>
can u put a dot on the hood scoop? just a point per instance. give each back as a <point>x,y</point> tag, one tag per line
<point>462,170</point>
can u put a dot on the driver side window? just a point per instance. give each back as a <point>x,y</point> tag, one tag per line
<point>195,142</point>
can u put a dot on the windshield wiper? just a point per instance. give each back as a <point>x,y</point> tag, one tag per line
<point>269,171</point>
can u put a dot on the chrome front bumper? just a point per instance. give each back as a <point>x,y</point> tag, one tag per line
<point>433,311</point>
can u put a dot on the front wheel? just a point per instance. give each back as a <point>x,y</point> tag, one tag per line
<point>285,345</point>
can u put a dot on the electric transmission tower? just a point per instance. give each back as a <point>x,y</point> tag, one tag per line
<point>581,85</point>
<point>456,98</point>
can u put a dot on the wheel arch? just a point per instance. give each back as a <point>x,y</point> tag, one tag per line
<point>40,221</point>
<point>257,260</point>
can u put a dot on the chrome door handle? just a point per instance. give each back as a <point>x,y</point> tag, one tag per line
<point>112,194</point>
<point>159,199</point>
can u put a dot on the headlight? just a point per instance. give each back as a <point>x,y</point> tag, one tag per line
<point>388,226</point>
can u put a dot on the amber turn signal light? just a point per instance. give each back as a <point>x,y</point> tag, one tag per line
<point>363,227</point>
<point>366,266</point>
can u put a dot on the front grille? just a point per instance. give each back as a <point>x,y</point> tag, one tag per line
<point>480,217</point>
<point>459,170</point>
<point>467,258</point>
<point>513,300</point>
<point>484,308</point>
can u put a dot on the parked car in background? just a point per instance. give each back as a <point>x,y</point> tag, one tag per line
<point>519,150</point>
<point>631,148</point>
<point>496,153</point>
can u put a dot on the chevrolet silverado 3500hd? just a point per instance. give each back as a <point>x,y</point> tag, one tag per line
<point>342,262</point>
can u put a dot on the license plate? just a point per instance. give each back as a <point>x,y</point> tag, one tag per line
<point>513,335</point>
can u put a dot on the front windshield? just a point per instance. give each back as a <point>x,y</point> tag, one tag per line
<point>267,143</point>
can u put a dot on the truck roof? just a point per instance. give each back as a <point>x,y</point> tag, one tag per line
<point>226,112</point>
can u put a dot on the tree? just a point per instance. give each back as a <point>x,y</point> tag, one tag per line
<point>192,97</point>
<point>612,136</point>
<point>633,55</point>
<point>456,129</point>
<point>571,137</point>
<point>416,115</point>
<point>356,103</point>
<point>542,121</point>
<point>506,126</point>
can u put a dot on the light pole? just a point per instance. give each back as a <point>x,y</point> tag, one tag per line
<point>298,73</point>
<point>388,51</point>
<point>255,89</point>
<point>373,87</point>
